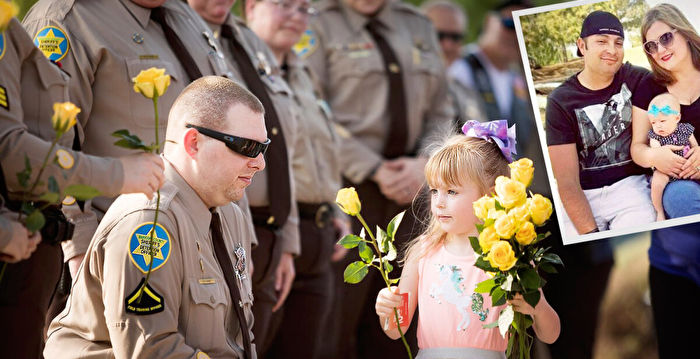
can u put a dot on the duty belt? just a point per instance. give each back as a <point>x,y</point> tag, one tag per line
<point>262,217</point>
<point>319,213</point>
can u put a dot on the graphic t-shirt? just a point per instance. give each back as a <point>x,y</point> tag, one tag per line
<point>451,314</point>
<point>599,122</point>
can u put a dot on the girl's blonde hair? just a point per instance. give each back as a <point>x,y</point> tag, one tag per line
<point>460,161</point>
<point>671,16</point>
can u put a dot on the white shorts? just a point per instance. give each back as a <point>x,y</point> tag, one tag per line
<point>459,353</point>
<point>623,204</point>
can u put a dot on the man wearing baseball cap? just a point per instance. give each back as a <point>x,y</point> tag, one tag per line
<point>589,133</point>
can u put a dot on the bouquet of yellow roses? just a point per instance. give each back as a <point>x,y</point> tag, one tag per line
<point>508,250</point>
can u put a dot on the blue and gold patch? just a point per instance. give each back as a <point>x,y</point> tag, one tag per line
<point>306,45</point>
<point>4,101</point>
<point>2,45</point>
<point>52,42</point>
<point>142,250</point>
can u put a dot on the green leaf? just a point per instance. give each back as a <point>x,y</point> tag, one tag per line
<point>82,192</point>
<point>552,258</point>
<point>489,222</point>
<point>26,208</point>
<point>499,207</point>
<point>548,268</point>
<point>485,286</point>
<point>498,297</point>
<point>392,253</point>
<point>394,225</point>
<point>480,227</point>
<point>474,241</point>
<point>350,241</point>
<point>388,267</point>
<point>366,253</point>
<point>35,221</point>
<point>50,197</point>
<point>127,140</point>
<point>490,325</point>
<point>532,298</point>
<point>355,272</point>
<point>483,264</point>
<point>24,175</point>
<point>53,185</point>
<point>382,240</point>
<point>525,319</point>
<point>394,281</point>
<point>529,279</point>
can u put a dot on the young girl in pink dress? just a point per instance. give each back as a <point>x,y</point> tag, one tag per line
<point>439,273</point>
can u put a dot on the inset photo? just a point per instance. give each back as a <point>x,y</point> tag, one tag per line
<point>614,87</point>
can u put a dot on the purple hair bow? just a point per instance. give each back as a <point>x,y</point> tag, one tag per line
<point>496,131</point>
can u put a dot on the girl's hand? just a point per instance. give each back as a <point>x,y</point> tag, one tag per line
<point>668,162</point>
<point>520,305</point>
<point>691,165</point>
<point>386,302</point>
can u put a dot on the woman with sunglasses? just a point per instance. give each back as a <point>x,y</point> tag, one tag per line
<point>281,24</point>
<point>672,46</point>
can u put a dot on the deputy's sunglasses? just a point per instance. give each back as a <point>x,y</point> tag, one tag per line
<point>666,40</point>
<point>244,146</point>
<point>447,35</point>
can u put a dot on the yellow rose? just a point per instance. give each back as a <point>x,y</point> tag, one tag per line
<point>526,233</point>
<point>8,10</point>
<point>348,201</point>
<point>521,212</point>
<point>152,82</point>
<point>540,209</point>
<point>502,256</point>
<point>505,226</point>
<point>64,116</point>
<point>510,193</point>
<point>522,171</point>
<point>487,238</point>
<point>483,205</point>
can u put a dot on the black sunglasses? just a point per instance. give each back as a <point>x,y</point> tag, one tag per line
<point>508,23</point>
<point>244,146</point>
<point>446,35</point>
<point>666,40</point>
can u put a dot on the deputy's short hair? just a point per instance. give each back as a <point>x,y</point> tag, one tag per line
<point>206,101</point>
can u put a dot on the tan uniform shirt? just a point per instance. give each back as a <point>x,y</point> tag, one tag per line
<point>351,69</point>
<point>108,43</point>
<point>467,102</point>
<point>29,86</point>
<point>281,96</point>
<point>196,310</point>
<point>316,155</point>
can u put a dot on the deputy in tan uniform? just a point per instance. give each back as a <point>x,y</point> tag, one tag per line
<point>379,63</point>
<point>317,179</point>
<point>197,301</point>
<point>102,45</point>
<point>271,196</point>
<point>29,86</point>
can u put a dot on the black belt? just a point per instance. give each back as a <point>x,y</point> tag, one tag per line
<point>262,217</point>
<point>319,213</point>
<point>57,228</point>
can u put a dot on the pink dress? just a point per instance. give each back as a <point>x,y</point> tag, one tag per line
<point>451,313</point>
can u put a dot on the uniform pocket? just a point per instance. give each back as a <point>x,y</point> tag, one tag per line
<point>207,314</point>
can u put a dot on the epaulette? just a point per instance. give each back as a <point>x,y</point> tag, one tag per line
<point>408,8</point>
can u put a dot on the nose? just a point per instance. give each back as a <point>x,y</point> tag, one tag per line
<point>258,163</point>
<point>440,201</point>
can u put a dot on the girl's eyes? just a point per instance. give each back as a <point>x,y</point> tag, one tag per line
<point>433,191</point>
<point>451,192</point>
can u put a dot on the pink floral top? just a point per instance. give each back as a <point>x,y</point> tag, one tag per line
<point>452,315</point>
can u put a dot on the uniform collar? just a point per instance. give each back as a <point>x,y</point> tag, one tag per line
<point>358,21</point>
<point>197,210</point>
<point>140,13</point>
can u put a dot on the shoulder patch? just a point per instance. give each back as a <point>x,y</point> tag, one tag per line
<point>64,159</point>
<point>53,42</point>
<point>2,45</point>
<point>202,355</point>
<point>4,101</point>
<point>142,251</point>
<point>307,44</point>
<point>144,300</point>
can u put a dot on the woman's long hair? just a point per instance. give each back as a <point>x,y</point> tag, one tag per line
<point>461,160</point>
<point>671,16</point>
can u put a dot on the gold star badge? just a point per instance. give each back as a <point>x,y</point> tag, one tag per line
<point>50,44</point>
<point>146,248</point>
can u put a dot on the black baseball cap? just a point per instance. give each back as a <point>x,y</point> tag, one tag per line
<point>601,23</point>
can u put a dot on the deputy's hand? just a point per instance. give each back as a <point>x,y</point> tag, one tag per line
<point>668,162</point>
<point>22,243</point>
<point>143,173</point>
<point>405,179</point>
<point>387,300</point>
<point>691,167</point>
<point>284,276</point>
<point>74,265</point>
<point>342,227</point>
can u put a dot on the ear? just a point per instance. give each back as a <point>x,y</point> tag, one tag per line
<point>581,44</point>
<point>248,6</point>
<point>190,142</point>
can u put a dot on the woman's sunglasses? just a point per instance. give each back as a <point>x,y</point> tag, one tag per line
<point>666,40</point>
<point>244,146</point>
